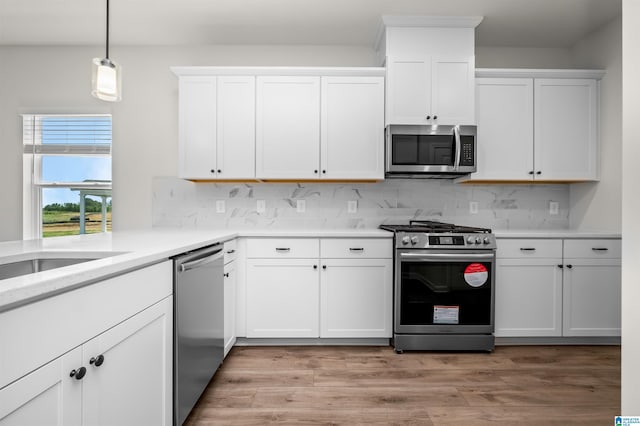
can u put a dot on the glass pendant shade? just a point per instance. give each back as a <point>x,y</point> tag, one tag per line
<point>106,80</point>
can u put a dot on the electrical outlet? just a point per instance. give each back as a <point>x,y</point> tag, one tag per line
<point>473,207</point>
<point>301,206</point>
<point>261,206</point>
<point>553,207</point>
<point>220,206</point>
<point>352,206</point>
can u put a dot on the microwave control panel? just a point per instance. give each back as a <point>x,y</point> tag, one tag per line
<point>467,147</point>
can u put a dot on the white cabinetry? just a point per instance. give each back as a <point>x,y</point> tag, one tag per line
<point>309,287</point>
<point>288,127</point>
<point>430,90</point>
<point>352,128</point>
<point>230,295</point>
<point>216,127</point>
<point>130,338</point>
<point>535,126</point>
<point>555,287</point>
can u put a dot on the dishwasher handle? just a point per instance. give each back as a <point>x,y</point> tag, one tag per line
<point>199,262</point>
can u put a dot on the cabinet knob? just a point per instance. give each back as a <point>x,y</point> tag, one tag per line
<point>435,117</point>
<point>531,172</point>
<point>428,117</point>
<point>569,266</point>
<point>538,172</point>
<point>79,373</point>
<point>97,361</point>
<point>324,171</point>
<point>213,170</point>
<point>315,171</point>
<point>315,266</point>
<point>324,266</point>
<point>219,171</point>
<point>560,266</point>
<point>226,275</point>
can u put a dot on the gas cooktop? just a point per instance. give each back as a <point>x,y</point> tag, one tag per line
<point>426,234</point>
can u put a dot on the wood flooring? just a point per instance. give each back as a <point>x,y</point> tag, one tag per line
<point>516,385</point>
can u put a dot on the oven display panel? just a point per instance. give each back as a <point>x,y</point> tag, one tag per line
<point>450,240</point>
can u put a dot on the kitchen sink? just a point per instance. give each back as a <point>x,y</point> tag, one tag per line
<point>45,262</point>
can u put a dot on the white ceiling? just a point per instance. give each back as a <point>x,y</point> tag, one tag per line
<point>530,23</point>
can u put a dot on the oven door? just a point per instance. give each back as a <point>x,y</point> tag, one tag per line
<point>438,291</point>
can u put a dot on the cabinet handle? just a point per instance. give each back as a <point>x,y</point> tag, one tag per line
<point>324,171</point>
<point>219,171</point>
<point>435,117</point>
<point>97,361</point>
<point>560,266</point>
<point>428,117</point>
<point>531,172</point>
<point>226,275</point>
<point>79,373</point>
<point>569,266</point>
<point>230,251</point>
<point>213,171</point>
<point>283,249</point>
<point>538,172</point>
<point>315,172</point>
<point>528,248</point>
<point>599,249</point>
<point>324,266</point>
<point>315,266</point>
<point>356,249</point>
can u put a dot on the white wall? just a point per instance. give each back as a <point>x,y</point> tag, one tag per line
<point>599,205</point>
<point>630,208</point>
<point>518,57</point>
<point>57,79</point>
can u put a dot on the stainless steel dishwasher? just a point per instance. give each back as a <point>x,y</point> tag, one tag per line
<point>198,337</point>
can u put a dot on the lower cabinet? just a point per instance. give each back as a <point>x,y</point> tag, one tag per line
<point>558,287</point>
<point>310,287</point>
<point>122,376</point>
<point>356,298</point>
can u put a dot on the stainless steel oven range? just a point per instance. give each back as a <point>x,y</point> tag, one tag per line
<point>444,279</point>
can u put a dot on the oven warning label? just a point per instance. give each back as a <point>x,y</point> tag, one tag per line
<point>445,314</point>
<point>476,274</point>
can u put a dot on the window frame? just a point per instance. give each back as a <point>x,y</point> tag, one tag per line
<point>33,151</point>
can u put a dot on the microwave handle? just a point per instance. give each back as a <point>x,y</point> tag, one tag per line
<point>456,136</point>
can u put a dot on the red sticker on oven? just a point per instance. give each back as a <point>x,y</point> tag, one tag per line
<point>476,274</point>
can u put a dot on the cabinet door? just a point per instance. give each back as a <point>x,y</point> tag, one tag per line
<point>505,128</point>
<point>352,134</point>
<point>592,297</point>
<point>528,297</point>
<point>133,384</point>
<point>565,129</point>
<point>453,90</point>
<point>356,298</point>
<point>282,298</point>
<point>197,127</point>
<point>288,127</point>
<point>230,281</point>
<point>46,396</point>
<point>408,90</point>
<point>236,127</point>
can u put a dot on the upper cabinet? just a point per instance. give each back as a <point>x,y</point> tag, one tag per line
<point>536,125</point>
<point>217,127</point>
<point>281,123</point>
<point>430,65</point>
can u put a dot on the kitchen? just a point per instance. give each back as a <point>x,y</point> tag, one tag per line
<point>581,206</point>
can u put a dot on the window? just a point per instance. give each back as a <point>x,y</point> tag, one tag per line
<point>67,174</point>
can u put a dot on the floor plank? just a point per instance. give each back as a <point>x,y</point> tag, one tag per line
<point>524,385</point>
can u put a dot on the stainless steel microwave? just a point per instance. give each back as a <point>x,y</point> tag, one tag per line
<point>429,151</point>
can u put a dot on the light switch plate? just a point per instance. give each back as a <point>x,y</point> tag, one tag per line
<point>352,206</point>
<point>220,206</point>
<point>261,206</point>
<point>473,207</point>
<point>553,207</point>
<point>301,206</point>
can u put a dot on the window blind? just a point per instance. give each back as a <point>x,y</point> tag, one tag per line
<point>67,134</point>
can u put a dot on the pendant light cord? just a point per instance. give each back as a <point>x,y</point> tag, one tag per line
<point>107,56</point>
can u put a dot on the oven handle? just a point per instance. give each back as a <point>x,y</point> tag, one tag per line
<point>438,257</point>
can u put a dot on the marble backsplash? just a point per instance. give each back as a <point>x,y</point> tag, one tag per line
<point>180,203</point>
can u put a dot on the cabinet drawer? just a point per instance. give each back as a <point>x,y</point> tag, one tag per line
<point>230,251</point>
<point>593,249</point>
<point>529,248</point>
<point>283,248</point>
<point>344,248</point>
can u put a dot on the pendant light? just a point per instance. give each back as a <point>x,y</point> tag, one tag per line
<point>106,75</point>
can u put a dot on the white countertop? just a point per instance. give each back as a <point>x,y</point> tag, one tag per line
<point>554,233</point>
<point>131,250</point>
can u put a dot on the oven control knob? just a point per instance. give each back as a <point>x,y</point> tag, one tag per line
<point>486,240</point>
<point>478,240</point>
<point>471,240</point>
<point>414,240</point>
<point>405,241</point>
